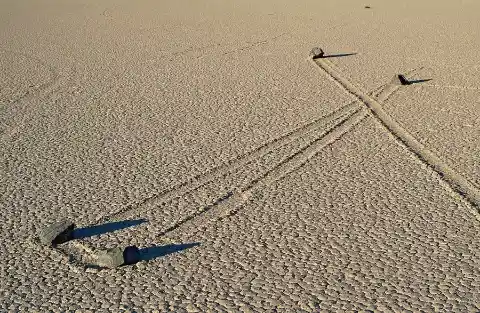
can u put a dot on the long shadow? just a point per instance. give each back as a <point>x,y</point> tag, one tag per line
<point>151,253</point>
<point>105,228</point>
<point>339,55</point>
<point>418,81</point>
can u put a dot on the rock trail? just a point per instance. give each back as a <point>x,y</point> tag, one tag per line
<point>458,183</point>
<point>308,141</point>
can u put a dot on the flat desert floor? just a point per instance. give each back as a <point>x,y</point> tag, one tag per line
<point>251,176</point>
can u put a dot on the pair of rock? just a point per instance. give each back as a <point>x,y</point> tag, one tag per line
<point>62,231</point>
<point>317,53</point>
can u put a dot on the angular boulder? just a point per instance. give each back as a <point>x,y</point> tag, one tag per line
<point>400,80</point>
<point>57,233</point>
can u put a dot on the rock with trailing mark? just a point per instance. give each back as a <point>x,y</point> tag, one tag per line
<point>317,53</point>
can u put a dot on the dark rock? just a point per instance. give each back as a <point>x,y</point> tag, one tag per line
<point>403,80</point>
<point>400,80</point>
<point>57,233</point>
<point>131,255</point>
<point>367,7</point>
<point>317,53</point>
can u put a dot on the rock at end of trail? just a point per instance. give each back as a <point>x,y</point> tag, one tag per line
<point>316,53</point>
<point>400,80</point>
<point>110,258</point>
<point>57,233</point>
<point>403,80</point>
<point>131,255</point>
<point>116,257</point>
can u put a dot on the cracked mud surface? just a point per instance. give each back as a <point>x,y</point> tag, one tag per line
<point>22,75</point>
<point>249,179</point>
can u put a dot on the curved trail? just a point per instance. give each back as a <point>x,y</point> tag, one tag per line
<point>59,78</point>
<point>457,182</point>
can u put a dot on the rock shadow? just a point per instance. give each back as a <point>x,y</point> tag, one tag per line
<point>150,253</point>
<point>418,81</point>
<point>339,55</point>
<point>97,230</point>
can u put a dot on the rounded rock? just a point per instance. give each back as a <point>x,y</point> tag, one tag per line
<point>316,53</point>
<point>110,258</point>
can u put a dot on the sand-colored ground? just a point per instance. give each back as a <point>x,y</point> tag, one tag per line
<point>251,177</point>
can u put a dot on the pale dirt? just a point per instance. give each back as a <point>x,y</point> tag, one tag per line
<point>263,191</point>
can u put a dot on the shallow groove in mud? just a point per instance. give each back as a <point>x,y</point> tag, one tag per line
<point>240,161</point>
<point>457,182</point>
<point>233,204</point>
<point>330,128</point>
<point>230,203</point>
<point>52,82</point>
<point>235,199</point>
<point>80,253</point>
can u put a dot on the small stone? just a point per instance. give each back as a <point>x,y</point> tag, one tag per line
<point>57,233</point>
<point>110,258</point>
<point>317,53</point>
<point>403,80</point>
<point>400,80</point>
<point>131,255</point>
<point>367,7</point>
<point>141,266</point>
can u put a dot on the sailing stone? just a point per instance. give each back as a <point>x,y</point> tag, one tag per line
<point>57,233</point>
